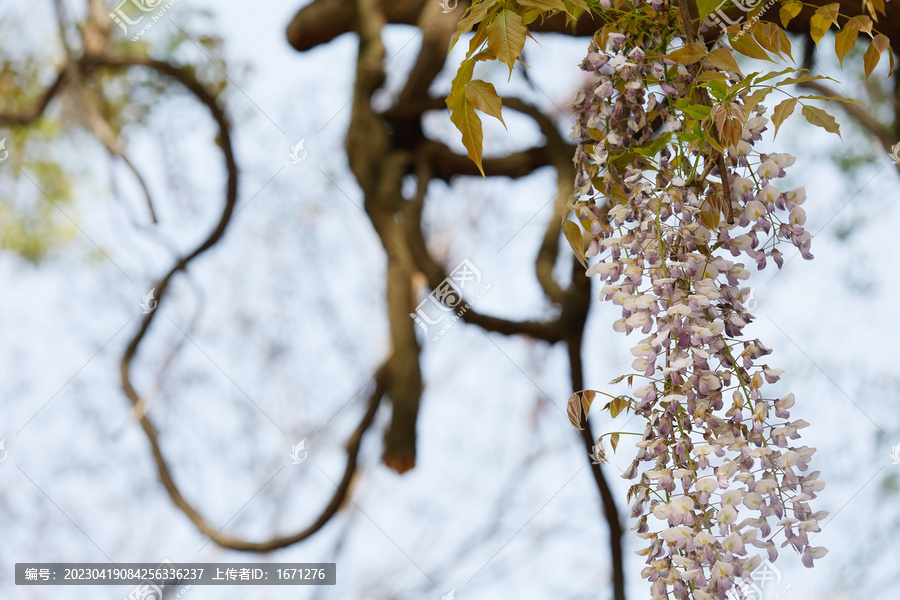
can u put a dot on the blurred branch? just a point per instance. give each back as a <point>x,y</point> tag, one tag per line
<point>103,132</point>
<point>28,115</point>
<point>187,79</point>
<point>581,292</point>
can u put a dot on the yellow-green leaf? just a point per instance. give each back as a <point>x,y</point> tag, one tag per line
<point>802,79</point>
<point>861,23</point>
<point>617,405</point>
<point>764,33</point>
<point>782,112</point>
<point>874,5</point>
<point>579,406</point>
<point>506,36</point>
<point>820,118</point>
<point>484,97</point>
<point>543,4</point>
<point>844,41</point>
<point>697,111</point>
<point>755,98</point>
<point>746,45</point>
<point>475,15</point>
<point>722,58</point>
<point>789,10</point>
<point>469,124</point>
<point>580,4</point>
<point>818,26</point>
<point>871,58</point>
<point>706,7</point>
<point>614,440</point>
<point>711,76</point>
<point>830,12</point>
<point>573,235</point>
<point>689,54</point>
<point>710,219</point>
<point>882,42</point>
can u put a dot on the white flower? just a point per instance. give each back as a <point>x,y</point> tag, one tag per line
<point>797,216</point>
<point>755,210</point>
<point>681,533</point>
<point>733,543</point>
<point>769,169</point>
<point>754,501</point>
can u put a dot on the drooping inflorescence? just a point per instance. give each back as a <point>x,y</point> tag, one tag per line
<point>718,472</point>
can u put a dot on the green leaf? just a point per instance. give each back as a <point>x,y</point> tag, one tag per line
<point>844,41</point>
<point>820,118</point>
<point>484,97</point>
<point>573,235</point>
<point>746,45</point>
<point>506,37</point>
<point>653,147</point>
<point>689,54</point>
<point>697,111</point>
<point>706,7</point>
<point>469,124</point>
<point>719,89</point>
<point>782,112</point>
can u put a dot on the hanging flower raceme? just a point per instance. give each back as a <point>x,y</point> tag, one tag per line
<point>718,472</point>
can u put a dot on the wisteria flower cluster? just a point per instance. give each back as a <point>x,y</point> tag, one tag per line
<point>718,471</point>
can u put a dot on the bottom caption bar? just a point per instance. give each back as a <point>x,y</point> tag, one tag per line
<point>169,574</point>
